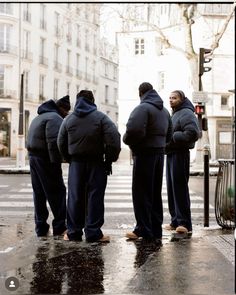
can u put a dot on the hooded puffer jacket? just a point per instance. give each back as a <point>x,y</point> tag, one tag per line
<point>185,128</point>
<point>88,134</point>
<point>43,131</point>
<point>149,125</point>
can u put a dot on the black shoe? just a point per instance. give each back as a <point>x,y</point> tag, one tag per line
<point>158,242</point>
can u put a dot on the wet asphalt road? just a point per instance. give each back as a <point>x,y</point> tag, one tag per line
<point>53,266</point>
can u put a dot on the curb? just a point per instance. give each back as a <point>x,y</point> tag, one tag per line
<point>27,171</point>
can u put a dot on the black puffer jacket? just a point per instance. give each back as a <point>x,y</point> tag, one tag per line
<point>185,128</point>
<point>43,131</point>
<point>88,134</point>
<point>149,125</point>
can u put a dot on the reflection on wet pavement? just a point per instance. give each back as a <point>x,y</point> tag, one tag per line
<point>53,266</point>
<point>77,272</point>
<point>144,250</point>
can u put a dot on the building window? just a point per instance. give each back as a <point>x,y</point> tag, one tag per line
<point>68,68</point>
<point>115,95</point>
<point>77,65</point>
<point>139,46</point>
<point>26,42</point>
<point>6,8</point>
<point>26,12</point>
<point>56,21</point>
<point>57,65</point>
<point>69,30</point>
<point>26,84</point>
<point>225,101</point>
<point>94,71</point>
<point>1,80</point>
<point>106,69</point>
<point>42,59</point>
<point>43,17</point>
<point>106,93</point>
<point>115,72</point>
<point>42,46</point>
<point>217,9</point>
<point>41,88</point>
<point>161,80</point>
<point>78,42</point>
<point>87,40</point>
<point>94,44</point>
<point>5,31</point>
<point>55,89</point>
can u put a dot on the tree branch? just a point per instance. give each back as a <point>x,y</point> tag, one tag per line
<point>219,35</point>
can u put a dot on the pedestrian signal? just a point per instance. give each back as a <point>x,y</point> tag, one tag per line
<point>200,109</point>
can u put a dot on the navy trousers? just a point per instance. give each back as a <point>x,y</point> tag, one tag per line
<point>177,177</point>
<point>146,192</point>
<point>85,207</point>
<point>48,185</point>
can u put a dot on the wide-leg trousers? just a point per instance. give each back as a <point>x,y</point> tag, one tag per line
<point>85,207</point>
<point>146,192</point>
<point>177,177</point>
<point>48,185</point>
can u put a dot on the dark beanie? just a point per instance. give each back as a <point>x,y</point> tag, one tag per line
<point>64,102</point>
<point>144,87</point>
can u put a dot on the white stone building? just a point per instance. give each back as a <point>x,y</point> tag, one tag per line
<point>108,83</point>
<point>142,57</point>
<point>56,47</point>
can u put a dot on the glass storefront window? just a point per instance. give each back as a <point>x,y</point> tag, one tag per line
<point>4,133</point>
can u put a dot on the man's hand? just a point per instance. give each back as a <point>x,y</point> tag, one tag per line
<point>108,167</point>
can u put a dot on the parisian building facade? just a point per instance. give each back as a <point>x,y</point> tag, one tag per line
<point>55,48</point>
<point>143,57</point>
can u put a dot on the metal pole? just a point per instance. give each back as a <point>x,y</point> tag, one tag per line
<point>206,185</point>
<point>20,153</point>
<point>21,108</point>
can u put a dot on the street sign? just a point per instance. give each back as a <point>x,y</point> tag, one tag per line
<point>200,97</point>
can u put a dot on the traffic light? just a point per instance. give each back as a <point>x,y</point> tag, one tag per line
<point>200,109</point>
<point>205,56</point>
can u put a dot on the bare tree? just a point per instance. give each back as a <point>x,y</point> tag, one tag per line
<point>188,13</point>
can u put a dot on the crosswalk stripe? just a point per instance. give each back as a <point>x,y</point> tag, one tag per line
<point>29,204</point>
<point>118,197</point>
<point>118,200</point>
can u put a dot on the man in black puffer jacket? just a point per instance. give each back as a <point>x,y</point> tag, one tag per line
<point>90,141</point>
<point>45,166</point>
<point>185,133</point>
<point>147,132</point>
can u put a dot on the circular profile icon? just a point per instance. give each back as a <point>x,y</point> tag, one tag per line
<point>12,283</point>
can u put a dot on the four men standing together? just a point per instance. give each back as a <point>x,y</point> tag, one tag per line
<point>89,141</point>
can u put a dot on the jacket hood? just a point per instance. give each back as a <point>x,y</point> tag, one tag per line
<point>185,105</point>
<point>48,106</point>
<point>84,107</point>
<point>153,98</point>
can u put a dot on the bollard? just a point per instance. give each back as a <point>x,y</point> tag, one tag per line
<point>206,150</point>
